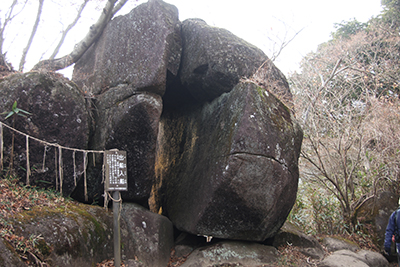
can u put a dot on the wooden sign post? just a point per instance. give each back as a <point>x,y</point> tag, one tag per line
<point>116,181</point>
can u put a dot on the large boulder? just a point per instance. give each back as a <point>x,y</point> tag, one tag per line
<point>308,245</point>
<point>151,234</point>
<point>125,75</point>
<point>8,255</point>
<point>229,168</point>
<point>361,258</point>
<point>58,116</point>
<point>336,243</point>
<point>82,235</point>
<point>138,49</point>
<point>232,253</point>
<point>128,123</point>
<point>214,60</point>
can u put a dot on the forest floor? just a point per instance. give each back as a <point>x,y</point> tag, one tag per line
<point>15,197</point>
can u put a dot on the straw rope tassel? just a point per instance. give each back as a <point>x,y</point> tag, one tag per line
<point>55,167</point>
<point>28,167</point>
<point>44,159</point>
<point>60,168</point>
<point>103,174</point>
<point>1,146</point>
<point>106,200</point>
<point>73,162</point>
<point>57,158</point>
<point>117,200</point>
<point>84,175</point>
<point>103,169</point>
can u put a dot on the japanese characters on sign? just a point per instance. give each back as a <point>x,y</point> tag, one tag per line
<point>115,170</point>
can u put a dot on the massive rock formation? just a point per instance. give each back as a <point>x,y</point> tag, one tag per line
<point>81,235</point>
<point>225,155</point>
<point>214,60</point>
<point>58,116</point>
<point>228,168</point>
<point>125,73</point>
<point>227,151</point>
<point>231,253</point>
<point>137,49</point>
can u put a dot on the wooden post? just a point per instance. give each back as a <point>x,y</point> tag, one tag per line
<point>116,181</point>
<point>117,231</point>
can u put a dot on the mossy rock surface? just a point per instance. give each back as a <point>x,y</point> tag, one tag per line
<point>58,116</point>
<point>76,234</point>
<point>72,233</point>
<point>8,255</point>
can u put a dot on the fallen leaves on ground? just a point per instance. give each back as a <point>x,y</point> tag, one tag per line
<point>175,261</point>
<point>108,263</point>
<point>14,198</point>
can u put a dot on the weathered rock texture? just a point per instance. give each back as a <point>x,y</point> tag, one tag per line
<point>333,244</point>
<point>232,253</point>
<point>214,60</point>
<point>8,255</point>
<point>229,168</point>
<point>125,73</point>
<point>82,235</point>
<point>137,49</point>
<point>227,150</point>
<point>58,115</point>
<point>130,125</point>
<point>150,233</point>
<point>308,245</point>
<point>362,258</point>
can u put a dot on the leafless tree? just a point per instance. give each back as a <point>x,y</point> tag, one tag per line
<point>33,32</point>
<point>9,15</point>
<point>70,26</point>
<point>95,31</point>
<point>347,101</point>
<point>111,7</point>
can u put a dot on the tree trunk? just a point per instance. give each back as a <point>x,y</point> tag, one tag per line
<point>35,26</point>
<point>65,32</point>
<point>94,33</point>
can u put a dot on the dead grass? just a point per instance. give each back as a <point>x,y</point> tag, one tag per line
<point>14,198</point>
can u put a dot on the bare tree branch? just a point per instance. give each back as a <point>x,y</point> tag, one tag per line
<point>348,96</point>
<point>94,33</point>
<point>2,27</point>
<point>118,6</point>
<point>283,45</point>
<point>34,29</point>
<point>65,32</point>
<point>8,17</point>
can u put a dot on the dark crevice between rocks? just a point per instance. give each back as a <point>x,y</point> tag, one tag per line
<point>261,155</point>
<point>176,96</point>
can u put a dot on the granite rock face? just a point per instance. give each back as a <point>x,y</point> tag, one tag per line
<point>228,168</point>
<point>131,125</point>
<point>232,253</point>
<point>82,235</point>
<point>125,75</point>
<point>58,116</point>
<point>214,60</point>
<point>152,235</point>
<point>357,259</point>
<point>218,154</point>
<point>137,49</point>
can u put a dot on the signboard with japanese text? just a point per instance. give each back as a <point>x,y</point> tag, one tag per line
<point>115,170</point>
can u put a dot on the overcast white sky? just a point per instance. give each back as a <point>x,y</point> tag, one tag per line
<point>264,23</point>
